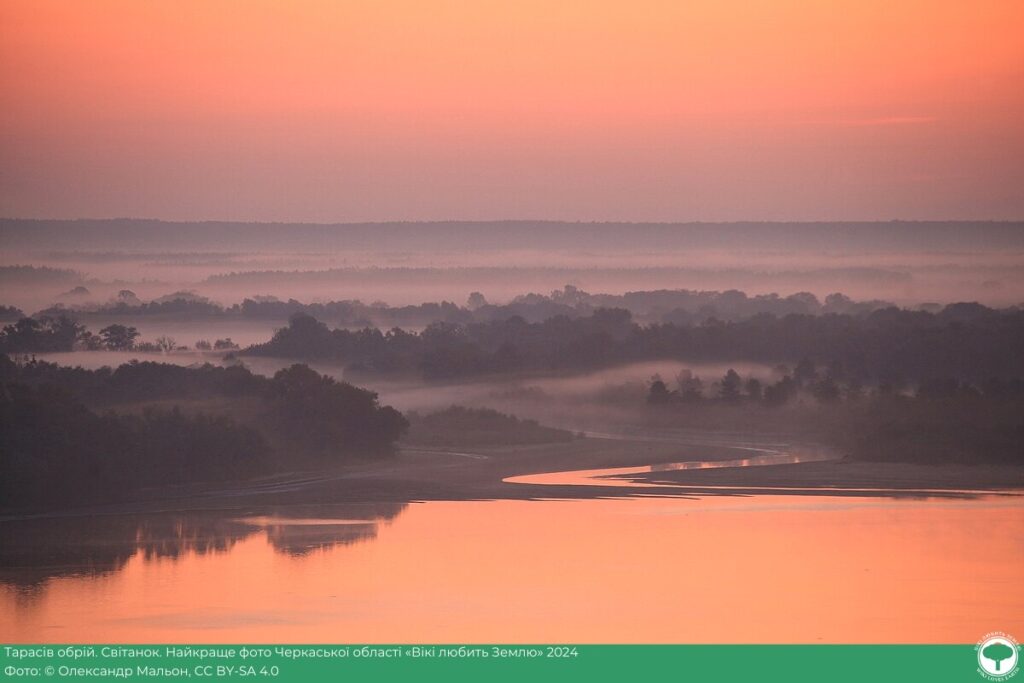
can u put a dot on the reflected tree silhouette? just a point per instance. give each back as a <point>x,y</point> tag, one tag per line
<point>34,552</point>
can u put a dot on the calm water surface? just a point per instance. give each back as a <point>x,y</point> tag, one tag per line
<point>762,568</point>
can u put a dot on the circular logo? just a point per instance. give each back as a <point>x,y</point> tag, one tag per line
<point>997,656</point>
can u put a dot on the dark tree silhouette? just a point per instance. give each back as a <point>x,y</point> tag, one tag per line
<point>658,393</point>
<point>47,333</point>
<point>889,344</point>
<point>56,451</point>
<point>691,388</point>
<point>754,389</point>
<point>805,372</point>
<point>729,389</point>
<point>119,337</point>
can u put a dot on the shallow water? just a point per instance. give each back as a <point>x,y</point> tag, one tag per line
<point>619,477</point>
<point>716,569</point>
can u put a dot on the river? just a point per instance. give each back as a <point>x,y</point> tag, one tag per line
<point>717,569</point>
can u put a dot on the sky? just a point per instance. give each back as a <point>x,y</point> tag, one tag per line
<point>639,110</point>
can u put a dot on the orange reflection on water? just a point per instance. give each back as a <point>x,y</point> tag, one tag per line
<point>618,476</point>
<point>661,570</point>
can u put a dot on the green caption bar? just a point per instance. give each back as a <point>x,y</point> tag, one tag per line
<point>832,663</point>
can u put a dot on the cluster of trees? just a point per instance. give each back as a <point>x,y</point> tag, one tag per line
<point>942,422</point>
<point>218,345</point>
<point>57,451</point>
<point>346,313</point>
<point>63,333</point>
<point>11,313</point>
<point>966,341</point>
<point>935,421</point>
<point>826,385</point>
<point>55,447</point>
<point>189,305</point>
<point>138,381</point>
<point>37,275</point>
<point>184,305</point>
<point>731,389</point>
<point>323,415</point>
<point>679,306</point>
<point>685,306</point>
<point>481,337</point>
<point>46,334</point>
<point>354,313</point>
<point>461,426</point>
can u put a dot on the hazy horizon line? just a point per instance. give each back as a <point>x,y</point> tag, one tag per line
<point>463,221</point>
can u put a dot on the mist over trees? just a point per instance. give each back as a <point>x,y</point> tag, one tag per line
<point>37,275</point>
<point>963,341</point>
<point>670,323</point>
<point>880,364</point>
<point>679,306</point>
<point>971,424</point>
<point>935,421</point>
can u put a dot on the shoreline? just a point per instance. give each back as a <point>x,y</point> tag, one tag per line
<point>423,474</point>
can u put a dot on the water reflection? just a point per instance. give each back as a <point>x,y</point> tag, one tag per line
<point>708,566</point>
<point>34,551</point>
<point>641,481</point>
<point>755,461</point>
<point>796,569</point>
<point>618,477</point>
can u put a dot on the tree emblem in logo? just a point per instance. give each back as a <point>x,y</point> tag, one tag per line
<point>997,652</point>
<point>997,656</point>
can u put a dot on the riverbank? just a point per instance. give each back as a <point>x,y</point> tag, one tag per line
<point>437,474</point>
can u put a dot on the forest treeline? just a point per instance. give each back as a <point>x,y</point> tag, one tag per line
<point>73,435</point>
<point>963,341</point>
<point>11,313</point>
<point>463,427</point>
<point>63,328</point>
<point>935,421</point>
<point>675,305</point>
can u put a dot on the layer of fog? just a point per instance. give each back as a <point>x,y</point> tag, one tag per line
<point>400,264</point>
<point>996,282</point>
<point>590,401</point>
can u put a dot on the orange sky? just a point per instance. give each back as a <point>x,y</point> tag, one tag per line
<point>390,109</point>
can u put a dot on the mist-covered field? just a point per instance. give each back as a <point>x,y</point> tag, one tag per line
<point>412,263</point>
